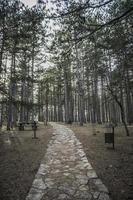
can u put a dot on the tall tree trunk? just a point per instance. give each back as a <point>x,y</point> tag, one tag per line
<point>67,93</point>
<point>121,109</point>
<point>80,88</point>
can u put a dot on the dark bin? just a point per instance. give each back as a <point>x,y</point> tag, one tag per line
<point>34,126</point>
<point>109,134</point>
<point>21,127</point>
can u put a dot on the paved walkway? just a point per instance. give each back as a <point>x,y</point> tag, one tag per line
<point>65,172</point>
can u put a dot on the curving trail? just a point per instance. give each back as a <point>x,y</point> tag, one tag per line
<point>65,172</point>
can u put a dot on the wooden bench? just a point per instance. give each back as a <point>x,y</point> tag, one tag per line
<point>22,125</point>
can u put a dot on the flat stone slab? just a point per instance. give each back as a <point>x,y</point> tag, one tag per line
<point>65,172</point>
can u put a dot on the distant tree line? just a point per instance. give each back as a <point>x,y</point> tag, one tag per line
<point>92,77</point>
<point>21,37</point>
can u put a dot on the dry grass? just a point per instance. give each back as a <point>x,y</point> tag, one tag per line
<point>114,167</point>
<point>20,157</point>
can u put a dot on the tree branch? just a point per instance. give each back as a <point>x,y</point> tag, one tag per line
<point>115,20</point>
<point>80,8</point>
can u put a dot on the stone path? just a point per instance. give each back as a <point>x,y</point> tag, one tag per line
<point>65,172</point>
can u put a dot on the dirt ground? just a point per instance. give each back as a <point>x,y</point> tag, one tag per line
<point>20,157</point>
<point>114,167</point>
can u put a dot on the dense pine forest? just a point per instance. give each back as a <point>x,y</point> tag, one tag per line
<point>66,61</point>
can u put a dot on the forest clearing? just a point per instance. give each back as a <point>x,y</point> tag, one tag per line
<point>66,99</point>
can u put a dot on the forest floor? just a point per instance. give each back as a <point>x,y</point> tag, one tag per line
<point>114,167</point>
<point>20,157</point>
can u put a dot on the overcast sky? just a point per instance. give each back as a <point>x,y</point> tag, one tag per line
<point>29,2</point>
